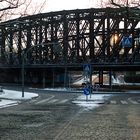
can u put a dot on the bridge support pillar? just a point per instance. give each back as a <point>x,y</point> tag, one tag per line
<point>110,79</point>
<point>65,77</point>
<point>44,79</point>
<point>101,78</point>
<point>53,82</point>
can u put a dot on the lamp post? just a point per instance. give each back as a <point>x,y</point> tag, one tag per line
<point>24,54</point>
<point>22,72</point>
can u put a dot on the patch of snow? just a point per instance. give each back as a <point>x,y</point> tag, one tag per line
<point>58,89</point>
<point>134,84</point>
<point>82,80</point>
<point>11,97</point>
<point>17,95</point>
<point>115,80</point>
<point>91,102</point>
<point>86,104</point>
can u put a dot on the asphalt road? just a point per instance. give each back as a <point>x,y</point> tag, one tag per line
<point>53,116</point>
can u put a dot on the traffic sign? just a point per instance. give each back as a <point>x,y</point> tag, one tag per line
<point>87,68</point>
<point>127,42</point>
<point>86,91</point>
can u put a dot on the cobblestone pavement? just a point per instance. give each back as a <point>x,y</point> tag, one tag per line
<point>55,117</point>
<point>119,121</point>
<point>105,123</point>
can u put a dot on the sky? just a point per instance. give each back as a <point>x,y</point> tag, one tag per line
<point>56,5</point>
<point>44,6</point>
<point>37,6</point>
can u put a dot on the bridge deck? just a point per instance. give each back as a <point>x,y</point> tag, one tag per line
<point>79,66</point>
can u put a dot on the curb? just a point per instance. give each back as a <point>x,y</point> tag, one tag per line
<point>93,92</point>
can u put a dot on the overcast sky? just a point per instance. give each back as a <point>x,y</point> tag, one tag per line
<point>56,5</point>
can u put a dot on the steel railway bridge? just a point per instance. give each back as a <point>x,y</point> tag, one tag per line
<point>107,39</point>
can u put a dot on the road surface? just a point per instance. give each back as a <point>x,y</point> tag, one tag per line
<point>53,116</point>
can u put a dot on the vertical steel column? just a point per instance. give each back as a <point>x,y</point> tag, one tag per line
<point>101,77</point>
<point>108,36</point>
<point>36,42</point>
<point>53,84</point>
<point>91,35</point>
<point>126,33</point>
<point>19,45</point>
<point>3,36</point>
<point>44,78</point>
<point>40,41</point>
<point>65,47</point>
<point>65,77</point>
<point>11,47</point>
<point>28,42</point>
<point>110,79</point>
<point>77,36</point>
<point>52,38</point>
<point>22,73</point>
<point>90,80</point>
<point>1,42</point>
<point>103,40</point>
<point>134,23</point>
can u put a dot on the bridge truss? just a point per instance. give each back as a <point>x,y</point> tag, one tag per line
<point>71,39</point>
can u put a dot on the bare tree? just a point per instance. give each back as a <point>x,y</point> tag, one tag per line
<point>125,3</point>
<point>131,7</point>
<point>8,4</point>
<point>119,3</point>
<point>17,8</point>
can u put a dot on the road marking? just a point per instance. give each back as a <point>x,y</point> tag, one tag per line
<point>124,102</point>
<point>53,101</point>
<point>45,100</point>
<point>113,102</point>
<point>132,101</point>
<point>33,101</point>
<point>63,101</point>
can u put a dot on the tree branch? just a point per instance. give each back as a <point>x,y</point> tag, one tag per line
<point>115,4</point>
<point>9,7</point>
<point>18,8</point>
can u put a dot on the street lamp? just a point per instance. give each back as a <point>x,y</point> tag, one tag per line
<point>24,54</point>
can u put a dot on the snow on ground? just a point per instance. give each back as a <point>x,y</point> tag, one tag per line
<point>62,89</point>
<point>91,102</point>
<point>17,95</point>
<point>11,97</point>
<point>57,89</point>
<point>82,80</point>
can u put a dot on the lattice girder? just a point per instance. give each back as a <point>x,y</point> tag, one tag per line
<point>75,36</point>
